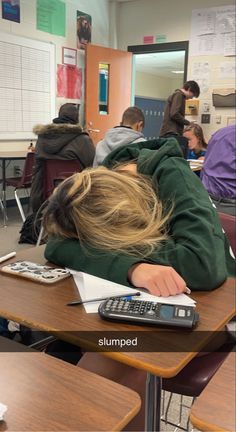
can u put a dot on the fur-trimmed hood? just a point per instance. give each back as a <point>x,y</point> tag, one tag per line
<point>57,128</point>
<point>52,138</point>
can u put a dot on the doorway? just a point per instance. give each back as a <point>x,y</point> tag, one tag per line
<point>158,69</point>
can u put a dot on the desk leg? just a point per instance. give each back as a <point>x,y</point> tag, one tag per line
<point>153,403</point>
<point>4,202</point>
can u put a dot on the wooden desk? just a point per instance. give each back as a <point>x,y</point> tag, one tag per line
<point>214,410</point>
<point>43,393</point>
<point>44,308</point>
<point>4,157</point>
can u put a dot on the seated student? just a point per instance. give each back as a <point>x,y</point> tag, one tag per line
<point>218,172</point>
<point>196,142</point>
<point>62,139</point>
<point>129,131</point>
<point>101,223</point>
<point>155,234</point>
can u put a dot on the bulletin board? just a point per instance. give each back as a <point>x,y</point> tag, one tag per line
<point>27,85</point>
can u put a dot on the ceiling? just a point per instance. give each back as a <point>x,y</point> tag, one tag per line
<point>161,64</point>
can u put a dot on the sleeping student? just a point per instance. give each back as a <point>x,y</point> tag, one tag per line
<point>144,220</point>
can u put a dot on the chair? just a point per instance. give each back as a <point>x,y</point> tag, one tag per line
<point>192,380</point>
<point>228,223</point>
<point>23,182</point>
<point>55,171</point>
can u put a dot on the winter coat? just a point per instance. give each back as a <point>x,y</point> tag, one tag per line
<point>58,141</point>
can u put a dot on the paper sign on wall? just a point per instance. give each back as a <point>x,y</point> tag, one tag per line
<point>51,16</point>
<point>160,38</point>
<point>69,56</point>
<point>69,82</point>
<point>148,39</point>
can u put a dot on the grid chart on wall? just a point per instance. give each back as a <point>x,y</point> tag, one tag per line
<point>27,91</point>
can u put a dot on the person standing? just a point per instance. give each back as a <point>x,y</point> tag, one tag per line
<point>174,114</point>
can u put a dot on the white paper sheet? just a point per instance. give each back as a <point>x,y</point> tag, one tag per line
<point>212,31</point>
<point>90,287</point>
<point>3,410</point>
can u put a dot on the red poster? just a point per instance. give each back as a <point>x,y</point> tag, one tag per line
<point>69,82</point>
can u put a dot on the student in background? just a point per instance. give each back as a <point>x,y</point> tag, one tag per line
<point>196,142</point>
<point>129,131</point>
<point>174,114</point>
<point>218,172</point>
<point>136,225</point>
<point>62,139</point>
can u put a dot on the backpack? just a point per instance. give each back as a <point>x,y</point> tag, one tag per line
<point>30,229</point>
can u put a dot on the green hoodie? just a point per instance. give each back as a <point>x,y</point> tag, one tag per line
<point>196,247</point>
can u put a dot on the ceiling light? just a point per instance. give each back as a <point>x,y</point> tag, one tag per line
<point>178,72</point>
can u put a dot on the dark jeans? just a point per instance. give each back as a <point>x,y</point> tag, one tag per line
<point>224,205</point>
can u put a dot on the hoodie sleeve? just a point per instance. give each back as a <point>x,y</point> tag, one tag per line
<point>106,265</point>
<point>196,244</point>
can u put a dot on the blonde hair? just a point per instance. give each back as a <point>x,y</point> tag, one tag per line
<point>108,210</point>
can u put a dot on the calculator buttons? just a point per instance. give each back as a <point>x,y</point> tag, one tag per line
<point>145,312</point>
<point>182,313</point>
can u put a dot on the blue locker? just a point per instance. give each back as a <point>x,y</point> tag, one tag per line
<point>153,110</point>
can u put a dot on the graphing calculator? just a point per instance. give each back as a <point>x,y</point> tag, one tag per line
<point>35,272</point>
<point>147,312</point>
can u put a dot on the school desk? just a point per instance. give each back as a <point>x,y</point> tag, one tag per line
<point>8,156</point>
<point>44,308</point>
<point>43,393</point>
<point>214,409</point>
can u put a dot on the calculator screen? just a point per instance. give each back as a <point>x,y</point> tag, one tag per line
<point>166,312</point>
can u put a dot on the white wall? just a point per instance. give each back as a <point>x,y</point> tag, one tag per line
<point>153,86</point>
<point>98,9</point>
<point>141,18</point>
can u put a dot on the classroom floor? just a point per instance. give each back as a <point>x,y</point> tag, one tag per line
<point>9,237</point>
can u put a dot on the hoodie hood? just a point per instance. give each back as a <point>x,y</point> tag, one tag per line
<point>116,137</point>
<point>148,154</point>
<point>53,137</point>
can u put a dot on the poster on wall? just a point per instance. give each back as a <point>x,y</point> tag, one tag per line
<point>69,81</point>
<point>212,31</point>
<point>84,29</point>
<point>11,10</point>
<point>51,16</point>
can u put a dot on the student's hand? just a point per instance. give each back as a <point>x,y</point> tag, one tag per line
<point>157,279</point>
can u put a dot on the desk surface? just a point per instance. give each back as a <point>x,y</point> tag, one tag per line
<point>20,154</point>
<point>44,307</point>
<point>46,394</point>
<point>214,410</point>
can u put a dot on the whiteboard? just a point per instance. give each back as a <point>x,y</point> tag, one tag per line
<point>27,85</point>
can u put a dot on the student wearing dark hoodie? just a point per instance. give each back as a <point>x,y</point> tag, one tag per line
<point>174,115</point>
<point>62,139</point>
<point>129,132</point>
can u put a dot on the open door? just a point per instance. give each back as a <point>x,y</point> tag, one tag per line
<point>108,83</point>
